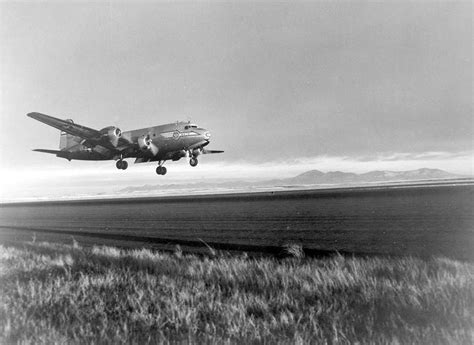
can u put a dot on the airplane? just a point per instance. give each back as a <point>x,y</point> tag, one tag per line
<point>171,141</point>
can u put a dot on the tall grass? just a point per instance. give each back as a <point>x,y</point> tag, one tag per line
<point>67,294</point>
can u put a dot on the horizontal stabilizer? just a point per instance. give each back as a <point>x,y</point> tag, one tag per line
<point>62,154</point>
<point>54,152</point>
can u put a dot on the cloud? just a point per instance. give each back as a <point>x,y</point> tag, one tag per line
<point>78,179</point>
<point>458,163</point>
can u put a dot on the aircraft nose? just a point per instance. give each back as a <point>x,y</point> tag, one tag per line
<point>207,134</point>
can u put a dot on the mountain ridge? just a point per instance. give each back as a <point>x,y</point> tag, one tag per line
<point>316,176</point>
<point>310,177</point>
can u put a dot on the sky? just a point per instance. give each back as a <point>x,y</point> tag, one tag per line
<point>284,87</point>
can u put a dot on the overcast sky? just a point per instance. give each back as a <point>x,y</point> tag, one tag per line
<point>281,86</point>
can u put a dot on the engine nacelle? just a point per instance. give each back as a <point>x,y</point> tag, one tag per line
<point>111,134</point>
<point>144,143</point>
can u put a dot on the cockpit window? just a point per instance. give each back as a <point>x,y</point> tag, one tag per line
<point>190,126</point>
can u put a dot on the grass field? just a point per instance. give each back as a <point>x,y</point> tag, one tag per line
<point>51,293</point>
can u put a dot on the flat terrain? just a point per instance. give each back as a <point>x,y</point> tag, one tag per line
<point>95,271</point>
<point>58,293</point>
<point>403,220</point>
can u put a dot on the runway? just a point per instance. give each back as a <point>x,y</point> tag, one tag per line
<point>409,220</point>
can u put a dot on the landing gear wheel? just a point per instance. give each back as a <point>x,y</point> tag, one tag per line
<point>193,162</point>
<point>121,165</point>
<point>161,170</point>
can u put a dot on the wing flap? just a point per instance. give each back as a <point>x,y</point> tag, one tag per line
<point>142,160</point>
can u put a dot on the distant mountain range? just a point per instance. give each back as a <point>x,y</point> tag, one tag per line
<point>336,177</point>
<point>309,178</point>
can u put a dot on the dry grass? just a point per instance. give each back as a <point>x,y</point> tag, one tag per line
<point>68,294</point>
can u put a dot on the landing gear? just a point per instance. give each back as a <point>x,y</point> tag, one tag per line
<point>161,170</point>
<point>121,165</point>
<point>193,162</point>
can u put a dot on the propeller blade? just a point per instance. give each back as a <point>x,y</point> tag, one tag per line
<point>153,148</point>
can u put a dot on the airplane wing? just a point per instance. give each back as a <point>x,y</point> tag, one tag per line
<point>207,152</point>
<point>65,126</point>
<point>91,136</point>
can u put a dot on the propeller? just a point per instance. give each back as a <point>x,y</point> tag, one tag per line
<point>146,144</point>
<point>152,147</point>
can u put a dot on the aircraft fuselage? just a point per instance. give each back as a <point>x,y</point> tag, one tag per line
<point>171,141</point>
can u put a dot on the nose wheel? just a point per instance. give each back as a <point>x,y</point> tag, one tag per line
<point>193,162</point>
<point>121,165</point>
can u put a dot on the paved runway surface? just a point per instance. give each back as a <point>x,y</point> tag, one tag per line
<point>414,220</point>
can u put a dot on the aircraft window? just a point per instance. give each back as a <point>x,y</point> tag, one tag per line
<point>190,126</point>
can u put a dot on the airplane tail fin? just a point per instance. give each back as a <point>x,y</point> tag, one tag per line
<point>67,140</point>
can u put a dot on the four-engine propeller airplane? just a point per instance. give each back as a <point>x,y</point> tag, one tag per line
<point>171,141</point>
